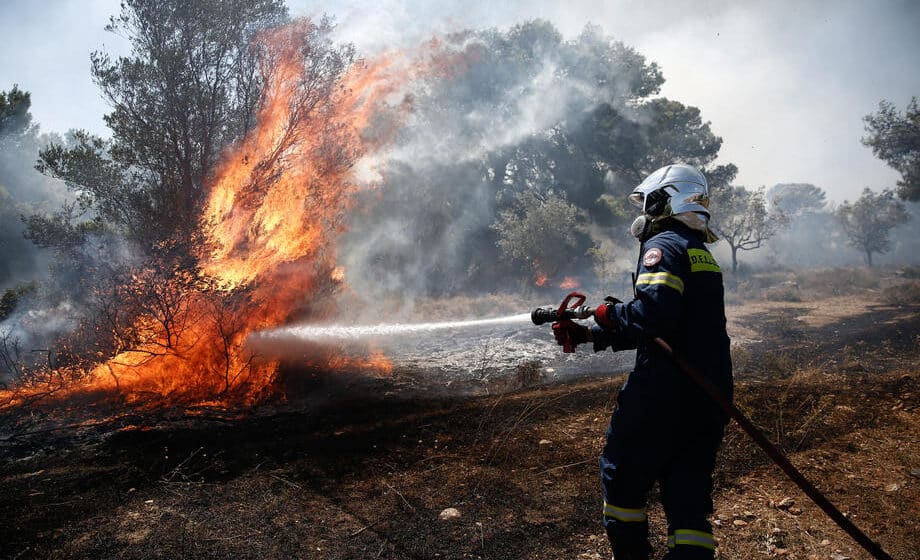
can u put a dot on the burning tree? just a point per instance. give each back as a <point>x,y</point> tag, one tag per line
<point>228,172</point>
<point>190,88</point>
<point>868,221</point>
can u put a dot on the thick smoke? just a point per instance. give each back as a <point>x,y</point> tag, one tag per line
<point>481,133</point>
<point>46,293</point>
<point>23,191</point>
<point>28,322</point>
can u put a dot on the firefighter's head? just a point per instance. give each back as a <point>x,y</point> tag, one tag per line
<point>679,191</point>
<point>671,190</point>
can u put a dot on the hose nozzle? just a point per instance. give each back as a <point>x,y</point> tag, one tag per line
<point>543,315</point>
<point>548,314</point>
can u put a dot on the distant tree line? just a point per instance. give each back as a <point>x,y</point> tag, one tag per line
<point>517,165</point>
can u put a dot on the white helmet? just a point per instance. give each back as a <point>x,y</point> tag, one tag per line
<point>673,189</point>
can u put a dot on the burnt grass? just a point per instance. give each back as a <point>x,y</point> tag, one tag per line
<point>363,468</point>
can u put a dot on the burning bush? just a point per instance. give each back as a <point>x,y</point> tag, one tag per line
<point>171,326</point>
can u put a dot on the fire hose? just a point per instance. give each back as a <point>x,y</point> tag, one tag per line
<point>573,307</point>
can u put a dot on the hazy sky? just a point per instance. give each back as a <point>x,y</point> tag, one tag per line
<point>786,84</point>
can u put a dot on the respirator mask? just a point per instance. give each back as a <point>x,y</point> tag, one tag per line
<point>655,207</point>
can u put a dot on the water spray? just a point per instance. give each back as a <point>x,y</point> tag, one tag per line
<point>330,332</point>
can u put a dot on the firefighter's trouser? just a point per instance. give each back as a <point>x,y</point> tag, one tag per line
<point>682,461</point>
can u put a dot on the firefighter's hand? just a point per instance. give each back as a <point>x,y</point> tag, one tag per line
<point>602,313</point>
<point>571,333</point>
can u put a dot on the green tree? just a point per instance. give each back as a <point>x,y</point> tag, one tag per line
<point>21,187</point>
<point>741,219</point>
<point>868,222</point>
<point>15,117</point>
<point>895,139</point>
<point>524,111</point>
<point>796,199</point>
<point>803,207</point>
<point>189,89</point>
<point>540,232</point>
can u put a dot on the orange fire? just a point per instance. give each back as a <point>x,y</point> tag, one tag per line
<point>275,208</point>
<point>570,283</point>
<point>540,278</point>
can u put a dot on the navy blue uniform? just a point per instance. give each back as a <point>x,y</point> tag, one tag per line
<point>665,428</point>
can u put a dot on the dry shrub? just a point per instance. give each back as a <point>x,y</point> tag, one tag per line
<point>902,294</point>
<point>784,292</point>
<point>837,281</point>
<point>742,358</point>
<point>733,297</point>
<point>775,365</point>
<point>529,373</point>
<point>764,280</point>
<point>910,272</point>
<point>780,285</point>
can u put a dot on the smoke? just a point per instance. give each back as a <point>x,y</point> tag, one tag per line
<point>46,293</point>
<point>481,132</point>
<point>23,191</point>
<point>784,83</point>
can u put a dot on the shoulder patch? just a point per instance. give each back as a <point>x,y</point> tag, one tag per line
<point>702,260</point>
<point>651,257</point>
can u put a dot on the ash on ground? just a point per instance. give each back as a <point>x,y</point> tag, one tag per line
<point>487,354</point>
<point>461,360</point>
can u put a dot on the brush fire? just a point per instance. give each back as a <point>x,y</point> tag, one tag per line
<point>288,284</point>
<point>274,210</point>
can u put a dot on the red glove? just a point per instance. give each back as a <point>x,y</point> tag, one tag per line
<point>569,335</point>
<point>601,316</point>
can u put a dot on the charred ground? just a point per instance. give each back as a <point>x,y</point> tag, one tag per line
<point>362,468</point>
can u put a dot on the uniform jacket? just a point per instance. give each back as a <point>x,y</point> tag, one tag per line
<point>679,296</point>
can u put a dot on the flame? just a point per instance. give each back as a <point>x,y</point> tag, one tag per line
<point>540,278</point>
<point>282,195</point>
<point>376,363</point>
<point>274,210</point>
<point>570,283</point>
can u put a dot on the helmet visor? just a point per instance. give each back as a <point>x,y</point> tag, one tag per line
<point>637,199</point>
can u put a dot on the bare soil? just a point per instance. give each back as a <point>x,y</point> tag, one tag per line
<point>364,468</point>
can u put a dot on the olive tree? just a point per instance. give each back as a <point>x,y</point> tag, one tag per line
<point>895,139</point>
<point>741,219</point>
<point>868,221</point>
<point>540,232</point>
<point>189,88</point>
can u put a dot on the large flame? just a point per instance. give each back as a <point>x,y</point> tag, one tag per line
<point>275,208</point>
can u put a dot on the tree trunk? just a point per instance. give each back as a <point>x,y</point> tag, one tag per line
<point>734,259</point>
<point>869,258</point>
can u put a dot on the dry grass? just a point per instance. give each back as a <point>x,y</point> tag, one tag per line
<point>912,272</point>
<point>366,475</point>
<point>904,294</point>
<point>838,281</point>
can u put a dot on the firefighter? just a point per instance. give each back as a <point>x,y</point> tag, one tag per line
<point>664,428</point>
